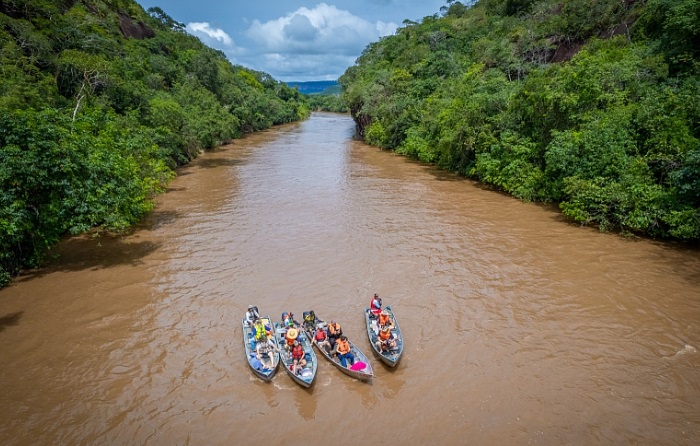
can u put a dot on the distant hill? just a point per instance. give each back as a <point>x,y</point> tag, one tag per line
<point>312,86</point>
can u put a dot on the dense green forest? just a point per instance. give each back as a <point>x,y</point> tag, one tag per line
<point>99,102</point>
<point>592,104</point>
<point>330,100</point>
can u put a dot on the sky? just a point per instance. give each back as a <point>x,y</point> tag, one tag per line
<point>294,40</point>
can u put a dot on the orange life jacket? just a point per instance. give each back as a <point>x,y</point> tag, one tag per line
<point>384,335</point>
<point>335,329</point>
<point>343,346</point>
<point>290,339</point>
<point>384,319</point>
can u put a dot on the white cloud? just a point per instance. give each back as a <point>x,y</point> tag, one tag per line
<point>203,29</point>
<point>306,44</point>
<point>323,29</point>
<point>309,67</point>
<point>386,29</point>
<point>292,42</point>
<point>300,29</point>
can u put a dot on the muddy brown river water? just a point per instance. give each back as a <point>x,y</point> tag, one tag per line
<point>520,328</point>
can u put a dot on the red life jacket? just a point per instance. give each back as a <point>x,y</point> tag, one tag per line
<point>320,335</point>
<point>298,352</point>
<point>375,306</point>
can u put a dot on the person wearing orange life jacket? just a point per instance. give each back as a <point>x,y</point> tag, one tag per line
<point>290,337</point>
<point>321,339</point>
<point>386,340</point>
<point>342,349</point>
<point>384,319</point>
<point>299,357</point>
<point>375,305</point>
<point>334,332</point>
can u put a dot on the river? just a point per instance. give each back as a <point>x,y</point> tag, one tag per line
<point>520,328</point>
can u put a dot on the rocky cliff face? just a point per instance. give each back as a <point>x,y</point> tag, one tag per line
<point>134,29</point>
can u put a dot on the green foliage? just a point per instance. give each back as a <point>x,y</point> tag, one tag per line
<point>590,104</point>
<point>583,19</point>
<point>602,148</point>
<point>208,124</point>
<point>509,166</point>
<point>376,134</point>
<point>329,103</point>
<point>675,27</point>
<point>164,20</point>
<point>610,204</point>
<point>685,178</point>
<point>55,181</point>
<point>417,146</point>
<point>93,122</point>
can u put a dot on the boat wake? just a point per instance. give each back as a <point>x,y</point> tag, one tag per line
<point>687,348</point>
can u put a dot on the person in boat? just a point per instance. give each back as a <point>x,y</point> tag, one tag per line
<point>335,331</point>
<point>384,320</point>
<point>288,320</point>
<point>375,305</point>
<point>261,330</point>
<point>251,315</point>
<point>309,320</point>
<point>386,341</point>
<point>342,350</point>
<point>289,337</point>
<point>321,338</point>
<point>266,347</point>
<point>299,357</point>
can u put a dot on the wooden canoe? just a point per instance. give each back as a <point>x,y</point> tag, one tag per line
<point>363,374</point>
<point>266,374</point>
<point>308,373</point>
<point>391,357</point>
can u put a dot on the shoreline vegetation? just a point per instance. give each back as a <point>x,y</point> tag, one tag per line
<point>594,106</point>
<point>100,102</point>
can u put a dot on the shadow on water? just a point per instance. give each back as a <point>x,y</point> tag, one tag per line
<point>204,163</point>
<point>170,189</point>
<point>305,402</point>
<point>10,320</point>
<point>445,175</point>
<point>158,219</point>
<point>91,253</point>
<point>212,163</point>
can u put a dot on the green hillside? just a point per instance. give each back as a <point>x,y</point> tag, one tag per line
<point>99,102</point>
<point>592,104</point>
